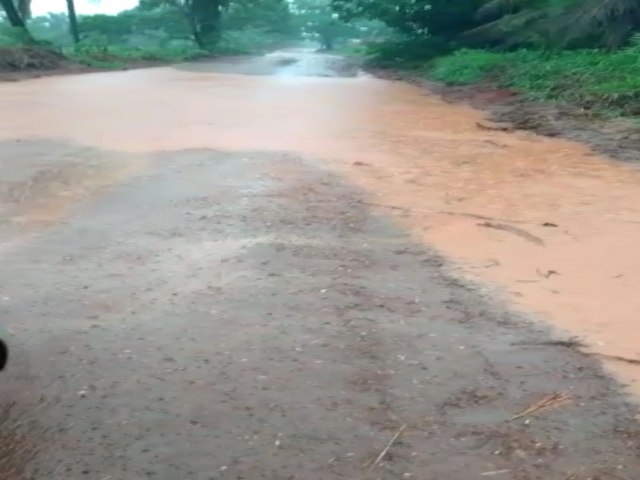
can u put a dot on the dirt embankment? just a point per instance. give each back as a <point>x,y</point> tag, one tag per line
<point>618,138</point>
<point>24,62</point>
<point>31,61</point>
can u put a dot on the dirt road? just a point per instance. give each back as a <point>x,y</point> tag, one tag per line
<point>227,271</point>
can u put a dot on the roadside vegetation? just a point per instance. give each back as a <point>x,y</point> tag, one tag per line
<point>583,52</point>
<point>168,31</point>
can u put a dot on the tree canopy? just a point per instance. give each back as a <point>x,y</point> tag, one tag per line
<point>505,22</point>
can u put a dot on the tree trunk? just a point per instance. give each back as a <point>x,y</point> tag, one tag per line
<point>24,8</point>
<point>73,21</point>
<point>15,20</point>
<point>207,15</point>
<point>195,32</point>
<point>327,42</point>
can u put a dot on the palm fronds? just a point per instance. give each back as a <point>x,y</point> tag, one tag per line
<point>611,21</point>
<point>509,30</point>
<point>495,9</point>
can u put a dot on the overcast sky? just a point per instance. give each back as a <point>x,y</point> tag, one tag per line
<point>40,7</point>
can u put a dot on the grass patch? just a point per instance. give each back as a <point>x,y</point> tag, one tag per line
<point>592,79</point>
<point>465,67</point>
<point>115,56</point>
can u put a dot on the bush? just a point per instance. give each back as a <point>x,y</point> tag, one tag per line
<point>406,52</point>
<point>97,52</point>
<point>10,36</point>
<point>465,66</point>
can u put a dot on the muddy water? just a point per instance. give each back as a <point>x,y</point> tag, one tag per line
<point>544,222</point>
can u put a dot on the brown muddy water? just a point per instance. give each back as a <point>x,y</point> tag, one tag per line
<point>547,223</point>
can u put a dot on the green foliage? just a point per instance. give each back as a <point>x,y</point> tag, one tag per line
<point>592,79</point>
<point>162,34</point>
<point>506,23</point>
<point>608,23</point>
<point>167,23</point>
<point>406,52</point>
<point>97,52</point>
<point>439,18</point>
<point>52,28</point>
<point>465,66</point>
<point>249,41</point>
<point>10,36</point>
<point>269,16</point>
<point>316,20</point>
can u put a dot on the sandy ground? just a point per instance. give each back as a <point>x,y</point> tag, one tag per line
<point>181,307</point>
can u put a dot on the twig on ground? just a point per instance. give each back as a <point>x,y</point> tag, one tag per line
<point>573,342</point>
<point>550,401</point>
<point>481,217</point>
<point>579,346</point>
<point>495,472</point>
<point>547,274</point>
<point>386,449</point>
<point>392,207</point>
<point>498,128</point>
<point>514,230</point>
<point>617,358</point>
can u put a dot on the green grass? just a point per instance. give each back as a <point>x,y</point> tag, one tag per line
<point>465,67</point>
<point>10,37</point>
<point>592,79</point>
<point>115,56</point>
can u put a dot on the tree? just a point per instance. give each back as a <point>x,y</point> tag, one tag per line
<point>267,15</point>
<point>13,14</point>
<point>609,22</point>
<point>73,21</point>
<point>16,20</point>
<point>505,23</point>
<point>202,16</point>
<point>24,8</point>
<point>316,19</point>
<point>416,18</point>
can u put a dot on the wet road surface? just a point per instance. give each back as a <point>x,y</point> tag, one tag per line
<point>229,270</point>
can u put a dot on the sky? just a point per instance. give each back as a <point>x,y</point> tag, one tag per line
<point>40,7</point>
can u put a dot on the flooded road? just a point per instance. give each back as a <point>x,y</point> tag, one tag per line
<point>358,179</point>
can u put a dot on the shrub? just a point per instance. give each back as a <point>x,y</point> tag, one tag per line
<point>10,36</point>
<point>97,52</point>
<point>406,51</point>
<point>465,66</point>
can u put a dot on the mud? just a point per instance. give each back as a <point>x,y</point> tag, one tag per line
<point>617,138</point>
<point>234,276</point>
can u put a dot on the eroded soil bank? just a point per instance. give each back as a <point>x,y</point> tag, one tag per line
<point>283,272</point>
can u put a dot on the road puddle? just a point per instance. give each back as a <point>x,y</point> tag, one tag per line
<point>40,179</point>
<point>545,221</point>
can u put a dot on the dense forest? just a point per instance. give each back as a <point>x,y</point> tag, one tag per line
<point>583,51</point>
